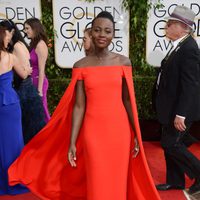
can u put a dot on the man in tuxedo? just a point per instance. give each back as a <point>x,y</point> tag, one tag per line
<point>178,100</point>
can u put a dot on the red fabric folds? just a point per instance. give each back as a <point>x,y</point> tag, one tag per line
<point>43,166</point>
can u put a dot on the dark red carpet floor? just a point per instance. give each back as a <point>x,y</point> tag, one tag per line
<point>155,158</point>
<point>156,163</point>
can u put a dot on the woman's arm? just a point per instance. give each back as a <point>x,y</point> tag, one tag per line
<point>42,53</point>
<point>77,118</point>
<point>127,102</point>
<point>127,105</point>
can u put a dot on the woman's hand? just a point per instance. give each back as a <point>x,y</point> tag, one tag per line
<point>29,70</point>
<point>72,155</point>
<point>40,93</point>
<point>136,149</point>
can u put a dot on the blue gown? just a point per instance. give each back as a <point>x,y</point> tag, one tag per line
<point>11,139</point>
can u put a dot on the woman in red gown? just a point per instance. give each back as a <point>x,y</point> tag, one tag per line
<point>96,122</point>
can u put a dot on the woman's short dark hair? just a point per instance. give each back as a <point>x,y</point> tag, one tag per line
<point>104,14</point>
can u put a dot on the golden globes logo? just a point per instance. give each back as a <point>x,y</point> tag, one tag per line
<point>158,28</point>
<point>17,15</point>
<point>76,20</point>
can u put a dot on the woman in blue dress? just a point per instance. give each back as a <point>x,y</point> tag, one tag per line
<point>11,139</point>
<point>33,116</point>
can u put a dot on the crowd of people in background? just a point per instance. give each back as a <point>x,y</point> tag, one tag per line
<point>30,100</point>
<point>23,92</point>
<point>99,134</point>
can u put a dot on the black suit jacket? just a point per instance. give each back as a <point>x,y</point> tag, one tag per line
<point>178,92</point>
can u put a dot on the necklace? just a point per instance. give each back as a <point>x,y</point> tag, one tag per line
<point>100,59</point>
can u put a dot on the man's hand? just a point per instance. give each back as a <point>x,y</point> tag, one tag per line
<point>179,123</point>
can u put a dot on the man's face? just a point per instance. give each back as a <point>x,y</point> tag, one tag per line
<point>174,29</point>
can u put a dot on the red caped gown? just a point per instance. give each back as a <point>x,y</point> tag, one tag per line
<point>105,168</point>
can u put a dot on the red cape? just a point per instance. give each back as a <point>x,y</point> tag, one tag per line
<point>43,166</point>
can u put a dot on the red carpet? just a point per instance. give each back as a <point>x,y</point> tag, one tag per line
<point>155,158</point>
<point>156,162</point>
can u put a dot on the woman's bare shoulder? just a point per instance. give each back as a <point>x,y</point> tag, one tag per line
<point>42,49</point>
<point>123,60</point>
<point>80,63</point>
<point>18,45</point>
<point>84,62</point>
<point>20,48</point>
<point>41,46</point>
<point>41,43</point>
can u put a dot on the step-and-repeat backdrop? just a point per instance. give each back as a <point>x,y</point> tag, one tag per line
<point>19,11</point>
<point>157,45</point>
<point>72,17</point>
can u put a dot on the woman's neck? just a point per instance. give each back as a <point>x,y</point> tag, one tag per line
<point>101,53</point>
